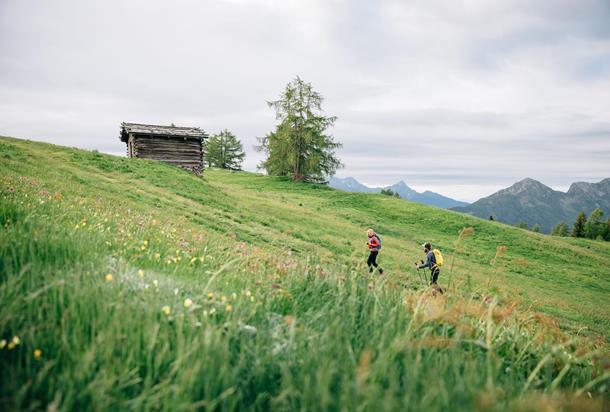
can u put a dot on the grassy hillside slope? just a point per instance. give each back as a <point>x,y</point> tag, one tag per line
<point>238,290</point>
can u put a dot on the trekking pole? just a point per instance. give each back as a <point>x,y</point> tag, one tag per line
<point>421,281</point>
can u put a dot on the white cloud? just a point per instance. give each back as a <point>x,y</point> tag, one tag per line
<point>463,96</point>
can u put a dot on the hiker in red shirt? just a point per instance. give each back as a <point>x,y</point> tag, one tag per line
<point>374,244</point>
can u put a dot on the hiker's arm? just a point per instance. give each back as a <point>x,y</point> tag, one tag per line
<point>428,263</point>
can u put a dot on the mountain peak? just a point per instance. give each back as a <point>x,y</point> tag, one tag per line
<point>535,203</point>
<point>401,184</point>
<point>582,186</point>
<point>527,185</point>
<point>404,191</point>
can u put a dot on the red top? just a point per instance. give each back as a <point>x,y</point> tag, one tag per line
<point>373,243</point>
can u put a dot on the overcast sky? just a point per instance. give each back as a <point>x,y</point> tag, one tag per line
<point>458,97</point>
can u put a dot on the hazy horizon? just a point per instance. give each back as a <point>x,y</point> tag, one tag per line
<point>460,99</point>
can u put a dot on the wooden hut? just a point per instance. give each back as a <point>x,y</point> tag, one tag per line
<point>180,146</point>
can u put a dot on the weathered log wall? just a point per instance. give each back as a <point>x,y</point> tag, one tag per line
<point>185,153</point>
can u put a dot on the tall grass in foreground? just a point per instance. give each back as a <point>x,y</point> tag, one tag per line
<point>127,314</point>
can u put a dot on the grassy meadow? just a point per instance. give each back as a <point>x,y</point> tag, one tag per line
<point>128,284</point>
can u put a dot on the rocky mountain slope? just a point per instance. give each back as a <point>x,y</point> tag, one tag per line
<point>535,203</point>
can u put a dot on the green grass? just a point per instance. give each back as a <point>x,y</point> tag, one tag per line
<point>284,314</point>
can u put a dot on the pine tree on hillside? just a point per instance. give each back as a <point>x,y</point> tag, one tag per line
<point>389,192</point>
<point>606,230</point>
<point>578,230</point>
<point>300,147</point>
<point>491,217</point>
<point>224,150</point>
<point>594,225</point>
<point>536,228</point>
<point>560,229</point>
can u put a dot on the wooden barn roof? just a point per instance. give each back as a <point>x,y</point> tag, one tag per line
<point>156,130</point>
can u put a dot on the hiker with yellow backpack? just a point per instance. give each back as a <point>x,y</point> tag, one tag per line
<point>434,261</point>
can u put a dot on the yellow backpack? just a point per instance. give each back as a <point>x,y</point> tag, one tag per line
<point>439,257</point>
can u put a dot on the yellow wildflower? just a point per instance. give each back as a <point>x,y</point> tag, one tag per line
<point>109,277</point>
<point>223,299</point>
<point>210,295</point>
<point>37,354</point>
<point>248,293</point>
<point>2,343</point>
<point>11,346</point>
<point>146,242</point>
<point>16,340</point>
<point>166,309</point>
<point>157,256</point>
<point>142,247</point>
<point>141,273</point>
<point>193,260</point>
<point>187,303</point>
<point>229,308</point>
<point>201,259</point>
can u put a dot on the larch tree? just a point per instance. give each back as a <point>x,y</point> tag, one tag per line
<point>225,151</point>
<point>300,146</point>
<point>578,230</point>
<point>560,229</point>
<point>606,230</point>
<point>594,226</point>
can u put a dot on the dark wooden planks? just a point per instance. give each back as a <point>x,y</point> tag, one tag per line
<point>185,153</point>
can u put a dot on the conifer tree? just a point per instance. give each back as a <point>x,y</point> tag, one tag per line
<point>536,228</point>
<point>560,229</point>
<point>225,151</point>
<point>606,230</point>
<point>594,225</point>
<point>389,192</point>
<point>578,230</point>
<point>300,147</point>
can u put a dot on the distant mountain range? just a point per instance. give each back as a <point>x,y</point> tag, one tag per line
<point>349,184</point>
<point>535,203</point>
